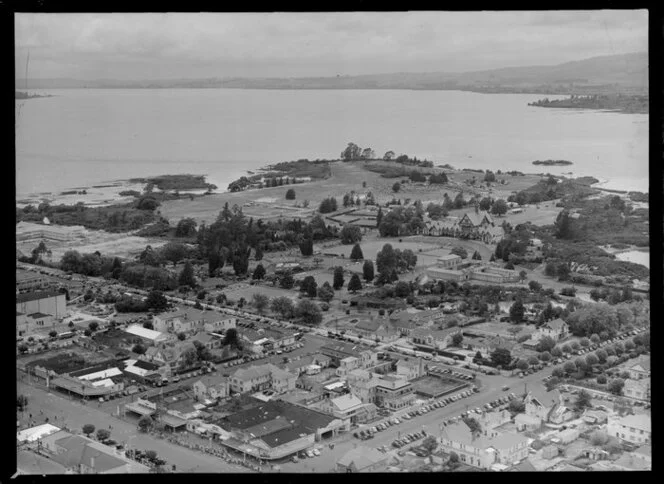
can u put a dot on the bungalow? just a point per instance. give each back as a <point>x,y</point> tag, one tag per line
<point>436,339</point>
<point>211,388</point>
<point>362,459</point>
<point>638,389</point>
<point>639,368</point>
<point>556,329</point>
<point>483,451</point>
<point>635,429</point>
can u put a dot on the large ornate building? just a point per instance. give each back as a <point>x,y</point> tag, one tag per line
<point>473,225</point>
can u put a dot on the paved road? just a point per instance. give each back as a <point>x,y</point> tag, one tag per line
<point>74,415</point>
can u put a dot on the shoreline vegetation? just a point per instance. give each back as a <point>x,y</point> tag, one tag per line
<point>552,162</point>
<point>176,182</point>
<point>622,103</point>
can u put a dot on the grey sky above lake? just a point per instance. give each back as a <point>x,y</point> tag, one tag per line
<point>181,45</point>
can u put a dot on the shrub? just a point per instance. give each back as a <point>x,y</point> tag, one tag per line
<point>601,379</point>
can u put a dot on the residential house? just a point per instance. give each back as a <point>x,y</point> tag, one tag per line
<point>639,368</point>
<point>375,330</point>
<point>540,403</point>
<point>172,357</point>
<point>45,302</point>
<point>267,339</point>
<point>262,377</point>
<point>483,451</point>
<point>626,462</point>
<point>410,369</point>
<point>340,350</point>
<point>394,393</point>
<point>526,422</point>
<point>362,459</point>
<point>303,364</point>
<point>220,326</point>
<point>491,420</point>
<point>211,388</point>
<point>210,341</point>
<point>635,429</point>
<point>638,389</point>
<point>594,417</point>
<point>556,329</point>
<point>550,452</point>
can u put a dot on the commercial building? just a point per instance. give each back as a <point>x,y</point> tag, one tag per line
<point>44,302</point>
<point>339,351</point>
<point>188,320</point>
<point>394,393</point>
<point>148,336</point>
<point>29,281</point>
<point>486,449</point>
<point>638,389</point>
<point>472,270</point>
<point>362,459</point>
<point>211,388</point>
<point>262,377</point>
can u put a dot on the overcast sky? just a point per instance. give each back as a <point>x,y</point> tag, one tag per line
<point>180,45</point>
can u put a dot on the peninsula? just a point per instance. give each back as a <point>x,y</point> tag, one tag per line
<point>632,104</point>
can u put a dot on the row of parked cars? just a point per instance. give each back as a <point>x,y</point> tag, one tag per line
<point>479,410</point>
<point>449,371</point>
<point>407,439</point>
<point>304,454</point>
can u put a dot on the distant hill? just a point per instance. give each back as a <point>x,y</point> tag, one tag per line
<point>626,73</point>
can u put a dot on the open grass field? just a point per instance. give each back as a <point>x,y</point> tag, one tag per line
<point>246,291</point>
<point>345,177</point>
<point>371,247</point>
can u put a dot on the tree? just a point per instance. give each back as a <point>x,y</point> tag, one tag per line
<point>186,277</point>
<point>290,194</point>
<point>517,311</point>
<point>389,155</point>
<point>499,207</point>
<point>523,275</point>
<point>601,355</point>
<point>53,333</point>
<point>583,401</point>
<point>232,338</point>
<point>402,289</point>
<point>88,429</point>
<point>545,356</point>
<point>94,325</point>
<point>156,301</point>
<point>396,187</point>
<point>139,349</point>
<point>460,251</point>
<point>368,271</point>
<point>356,253</point>
<point>338,280</point>
<point>522,365</point>
<point>558,372</point>
<point>429,444</point>
<point>386,260</point>
<point>591,360</point>
<point>287,281</point>
<point>283,306</point>
<point>325,292</point>
<point>594,338</point>
<point>186,228</point>
<point>21,402</point>
<point>173,252</point>
<point>309,312</point>
<point>616,385</point>
<point>260,302</point>
<point>259,272</point>
<point>351,153</point>
<point>546,343</point>
<point>144,423</point>
<point>473,425</point>
<point>477,256</point>
<point>103,435</point>
<point>182,336</point>
<point>438,179</point>
<point>457,338</point>
<point>355,284</point>
<point>569,367</point>
<point>309,286</point>
<point>501,357</point>
<point>328,205</point>
<point>534,286</point>
<point>516,405</point>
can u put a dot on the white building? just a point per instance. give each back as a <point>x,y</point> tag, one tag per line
<point>635,429</point>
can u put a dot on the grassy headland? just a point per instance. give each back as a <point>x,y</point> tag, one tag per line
<point>632,104</point>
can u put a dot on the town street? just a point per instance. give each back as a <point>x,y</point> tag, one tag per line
<point>72,414</point>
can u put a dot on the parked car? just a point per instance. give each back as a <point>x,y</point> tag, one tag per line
<point>316,452</point>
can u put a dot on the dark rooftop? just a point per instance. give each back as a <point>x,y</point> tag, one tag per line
<point>284,436</point>
<point>310,420</point>
<point>34,296</point>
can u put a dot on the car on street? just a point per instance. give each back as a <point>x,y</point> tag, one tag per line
<point>294,459</point>
<point>310,453</point>
<point>316,452</point>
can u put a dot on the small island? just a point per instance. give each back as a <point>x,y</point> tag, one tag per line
<point>27,95</point>
<point>552,162</point>
<point>622,103</point>
<point>176,182</point>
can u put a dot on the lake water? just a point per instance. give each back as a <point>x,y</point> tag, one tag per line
<point>636,256</point>
<point>83,137</point>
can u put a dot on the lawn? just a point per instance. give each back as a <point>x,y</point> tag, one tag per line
<point>372,247</point>
<point>236,291</point>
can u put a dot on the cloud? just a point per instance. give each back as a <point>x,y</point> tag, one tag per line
<point>293,44</point>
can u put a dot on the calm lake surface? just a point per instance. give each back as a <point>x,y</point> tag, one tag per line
<point>83,137</point>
